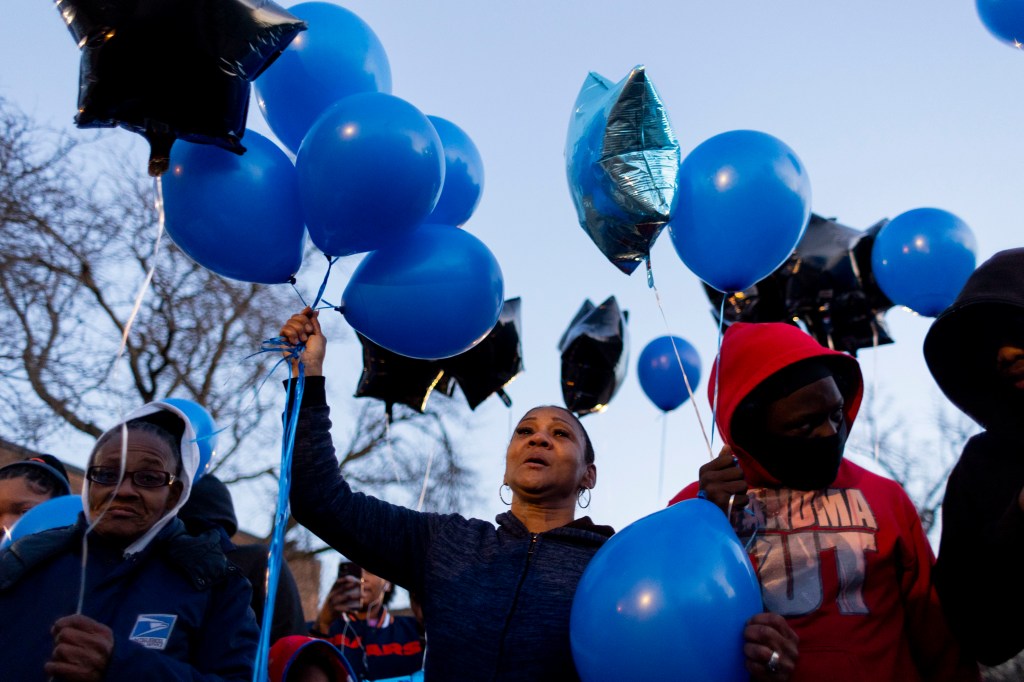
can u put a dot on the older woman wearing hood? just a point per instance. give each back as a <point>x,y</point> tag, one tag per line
<point>839,551</point>
<point>158,603</point>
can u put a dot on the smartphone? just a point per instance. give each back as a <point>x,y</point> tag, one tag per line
<point>346,568</point>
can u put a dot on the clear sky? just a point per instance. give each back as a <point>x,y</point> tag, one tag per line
<point>891,106</point>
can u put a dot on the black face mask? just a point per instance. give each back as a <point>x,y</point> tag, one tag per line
<point>802,463</point>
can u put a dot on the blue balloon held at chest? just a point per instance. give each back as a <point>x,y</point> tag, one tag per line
<point>622,163</point>
<point>1004,19</point>
<point>370,171</point>
<point>922,259</point>
<point>743,203</point>
<point>205,429</point>
<point>463,175</point>
<point>339,55</point>
<point>235,215</point>
<point>661,376</point>
<point>666,598</point>
<point>54,513</point>
<point>433,295</point>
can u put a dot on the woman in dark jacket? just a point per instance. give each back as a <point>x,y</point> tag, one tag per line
<point>975,351</point>
<point>158,604</point>
<point>496,601</point>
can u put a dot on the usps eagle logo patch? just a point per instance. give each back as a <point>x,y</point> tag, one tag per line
<point>153,630</point>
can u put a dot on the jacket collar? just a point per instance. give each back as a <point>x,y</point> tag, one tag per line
<point>198,558</point>
<point>582,529</point>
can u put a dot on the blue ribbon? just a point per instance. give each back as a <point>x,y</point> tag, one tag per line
<point>290,419</point>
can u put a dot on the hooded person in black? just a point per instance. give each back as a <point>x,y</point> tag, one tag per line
<point>210,508</point>
<point>975,351</point>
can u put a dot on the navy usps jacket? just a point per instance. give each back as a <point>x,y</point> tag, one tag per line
<point>179,610</point>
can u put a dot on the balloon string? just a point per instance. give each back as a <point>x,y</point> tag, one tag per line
<point>389,448</point>
<point>323,285</point>
<point>675,349</point>
<point>875,439</point>
<point>718,372</point>
<point>275,556</point>
<point>661,463</point>
<point>158,205</point>
<point>315,305</point>
<point>426,481</point>
<point>152,268</point>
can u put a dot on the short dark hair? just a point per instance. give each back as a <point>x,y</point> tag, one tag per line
<point>45,475</point>
<point>588,446</point>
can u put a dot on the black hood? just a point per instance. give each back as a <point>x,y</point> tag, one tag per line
<point>209,506</point>
<point>961,345</point>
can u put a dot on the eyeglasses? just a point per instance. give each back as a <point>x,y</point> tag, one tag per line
<point>145,478</point>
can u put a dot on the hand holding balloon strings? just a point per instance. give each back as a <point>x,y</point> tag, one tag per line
<point>302,343</point>
<point>721,482</point>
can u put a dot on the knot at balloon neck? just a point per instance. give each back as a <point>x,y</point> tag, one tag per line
<point>160,138</point>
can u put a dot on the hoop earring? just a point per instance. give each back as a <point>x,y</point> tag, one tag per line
<point>501,489</point>
<point>579,498</point>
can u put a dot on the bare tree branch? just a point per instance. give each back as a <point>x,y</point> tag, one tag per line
<point>74,248</point>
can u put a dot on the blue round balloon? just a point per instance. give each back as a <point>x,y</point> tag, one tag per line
<point>238,216</point>
<point>205,429</point>
<point>743,203</point>
<point>432,296</point>
<point>463,175</point>
<point>370,171</point>
<point>54,513</point>
<point>336,56</point>
<point>666,598</point>
<point>1004,19</point>
<point>922,259</point>
<point>661,377</point>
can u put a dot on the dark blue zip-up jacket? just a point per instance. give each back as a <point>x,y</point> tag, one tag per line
<point>177,577</point>
<point>495,602</point>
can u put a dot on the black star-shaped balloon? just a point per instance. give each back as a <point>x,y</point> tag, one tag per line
<point>490,365</point>
<point>484,369</point>
<point>827,284</point>
<point>595,355</point>
<point>170,69</point>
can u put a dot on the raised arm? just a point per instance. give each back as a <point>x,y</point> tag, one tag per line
<point>386,539</point>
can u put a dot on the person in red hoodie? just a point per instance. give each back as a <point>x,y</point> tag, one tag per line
<point>839,551</point>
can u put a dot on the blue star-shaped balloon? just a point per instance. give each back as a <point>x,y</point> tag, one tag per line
<point>622,161</point>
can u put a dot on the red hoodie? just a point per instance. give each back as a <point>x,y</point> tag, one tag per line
<point>848,566</point>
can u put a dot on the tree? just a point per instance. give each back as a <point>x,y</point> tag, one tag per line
<point>75,245</point>
<point>921,464</point>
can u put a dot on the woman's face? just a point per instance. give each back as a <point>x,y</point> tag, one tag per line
<point>545,458</point>
<point>133,509</point>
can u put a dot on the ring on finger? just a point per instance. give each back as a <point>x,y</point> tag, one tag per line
<point>773,662</point>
